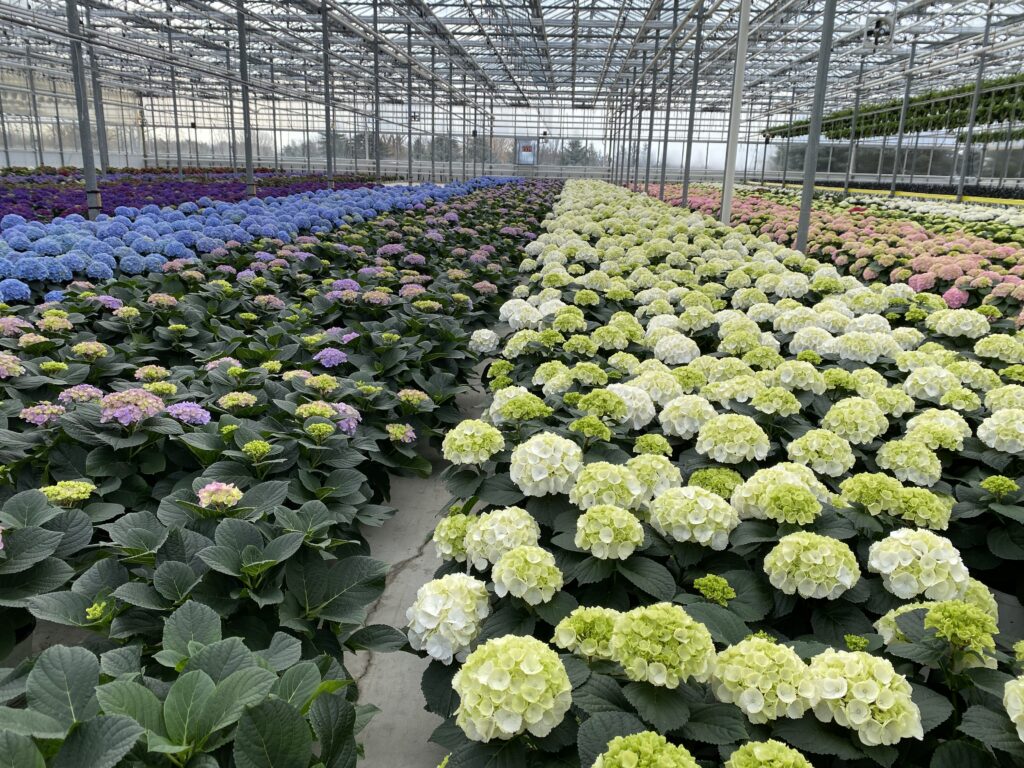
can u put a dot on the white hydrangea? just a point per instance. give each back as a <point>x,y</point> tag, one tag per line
<point>957,323</point>
<point>863,692</point>
<point>856,419</point>
<point>446,616</point>
<point>930,383</point>
<point>483,341</point>
<point>661,386</point>
<point>911,460</point>
<point>656,473</point>
<point>546,463</point>
<point>812,339</point>
<point>919,562</point>
<point>519,314</point>
<point>676,349</point>
<point>772,492</point>
<point>732,438</point>
<point>472,442</point>
<point>639,406</point>
<point>1013,700</point>
<point>799,375</point>
<point>1007,396</point>
<point>492,534</point>
<point>1004,431</point>
<point>685,415</point>
<point>862,347</point>
<point>694,514</point>
<point>501,398</point>
<point>823,451</point>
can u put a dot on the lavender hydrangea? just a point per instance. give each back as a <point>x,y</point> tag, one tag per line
<point>129,406</point>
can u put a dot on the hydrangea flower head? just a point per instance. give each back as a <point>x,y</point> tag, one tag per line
<point>587,632</point>
<point>644,750</point>
<point>546,463</point>
<point>492,534</point>
<point>608,532</point>
<point>765,679</point>
<point>767,754</point>
<point>918,562</point>
<point>661,644</point>
<point>472,442</point>
<point>446,616</point>
<point>219,496</point>
<point>527,572</point>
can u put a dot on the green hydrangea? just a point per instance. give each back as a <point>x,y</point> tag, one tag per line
<point>524,407</point>
<point>719,480</point>
<point>732,438</point>
<point>999,486</point>
<point>767,754</point>
<point>257,450</point>
<point>656,473</point>
<point>527,572</point>
<point>966,627</point>
<point>786,493</point>
<point>977,594</point>
<point>604,483</point>
<point>855,642</point>
<point>472,442</point>
<point>511,685</point>
<point>874,491</point>
<point>603,404</point>
<point>450,537</point>
<point>320,431</point>
<point>608,532</point>
<point>652,444</point>
<point>715,589</point>
<point>661,644</point>
<point>864,693</point>
<point>923,508</point>
<point>591,428</point>
<point>546,463</point>
<point>587,632</point>
<point>812,565</point>
<point>776,401</point>
<point>644,750</point>
<point>911,461</point>
<point>67,493</point>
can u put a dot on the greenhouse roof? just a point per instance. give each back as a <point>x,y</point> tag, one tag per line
<point>545,57</point>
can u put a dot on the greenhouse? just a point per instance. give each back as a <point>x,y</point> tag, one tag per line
<point>547,384</point>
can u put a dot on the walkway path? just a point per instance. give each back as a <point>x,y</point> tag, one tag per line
<point>398,736</point>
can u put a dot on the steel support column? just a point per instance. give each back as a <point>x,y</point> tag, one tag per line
<point>93,199</point>
<point>969,140</point>
<point>851,155</point>
<point>814,129</point>
<point>325,50</point>
<point>462,111</point>
<point>174,96</point>
<point>767,139</point>
<point>142,133</point>
<point>668,102</point>
<point>451,122</point>
<point>639,121</point>
<point>433,96</point>
<point>734,112</point>
<point>273,116</point>
<point>33,103</point>
<point>56,123</point>
<point>650,121</point>
<point>3,132</point>
<point>903,118</point>
<point>97,99</point>
<point>408,110</point>
<point>694,81</point>
<point>376,92</point>
<point>243,69</point>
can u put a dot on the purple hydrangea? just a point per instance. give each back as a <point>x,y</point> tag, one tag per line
<point>348,418</point>
<point>330,357</point>
<point>42,413</point>
<point>345,285</point>
<point>189,412</point>
<point>110,302</point>
<point>129,406</point>
<point>230,361</point>
<point>80,393</point>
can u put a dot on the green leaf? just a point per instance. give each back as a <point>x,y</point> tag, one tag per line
<point>272,735</point>
<point>192,623</point>
<point>283,651</point>
<point>724,625</point>
<point>17,589</point>
<point>557,608</point>
<point>238,690</point>
<point>833,620</point>
<point>441,699</point>
<point>991,681</point>
<point>174,580</point>
<point>810,735</point>
<point>599,729</point>
<point>99,743</point>
<point>497,754</point>
<point>377,637</point>
<point>124,697</point>
<point>649,576</point>
<point>753,598</point>
<point>715,724</point>
<point>27,722</point>
<point>61,608</point>
<point>298,684</point>
<point>591,570</point>
<point>184,706</point>
<point>62,684</point>
<point>600,693</point>
<point>500,491</point>
<point>122,661</point>
<point>24,547</point>
<point>663,708</point>
<point>221,659</point>
<point>960,754</point>
<point>935,708</point>
<point>333,720</point>
<point>18,751</point>
<point>993,729</point>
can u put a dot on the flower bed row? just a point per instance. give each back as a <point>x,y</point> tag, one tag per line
<point>44,196</point>
<point>187,457</point>
<point>36,257</point>
<point>729,506</point>
<point>877,243</point>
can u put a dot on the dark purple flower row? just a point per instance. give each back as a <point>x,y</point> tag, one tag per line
<point>47,195</point>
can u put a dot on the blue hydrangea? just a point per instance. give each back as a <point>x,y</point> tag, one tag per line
<point>11,220</point>
<point>54,296</point>
<point>32,268</point>
<point>58,271</point>
<point>132,265</point>
<point>6,268</point>
<point>14,290</point>
<point>97,270</point>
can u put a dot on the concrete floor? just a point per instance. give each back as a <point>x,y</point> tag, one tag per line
<point>398,736</point>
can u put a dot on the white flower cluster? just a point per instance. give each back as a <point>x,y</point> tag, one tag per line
<point>492,534</point>
<point>609,532</point>
<point>528,572</point>
<point>604,483</point>
<point>766,680</point>
<point>732,438</point>
<point>685,415</point>
<point>545,464</point>
<point>786,493</point>
<point>918,562</point>
<point>694,514</point>
<point>446,616</point>
<point>812,565</point>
